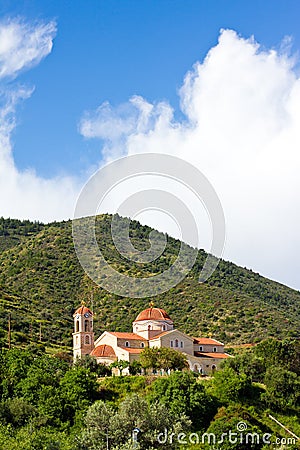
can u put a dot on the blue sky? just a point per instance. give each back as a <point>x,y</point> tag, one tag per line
<point>111,50</point>
<point>84,82</point>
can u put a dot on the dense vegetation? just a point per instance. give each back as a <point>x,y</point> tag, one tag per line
<point>41,282</point>
<point>48,404</point>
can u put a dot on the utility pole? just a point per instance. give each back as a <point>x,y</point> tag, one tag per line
<point>9,331</point>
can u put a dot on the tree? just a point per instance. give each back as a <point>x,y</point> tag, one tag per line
<point>284,353</point>
<point>149,358</point>
<point>249,364</point>
<point>135,367</point>
<point>183,394</point>
<point>283,388</point>
<point>162,358</point>
<point>78,389</point>
<point>231,387</point>
<point>44,371</point>
<point>226,430</point>
<point>97,431</point>
<point>120,364</point>
<point>102,423</point>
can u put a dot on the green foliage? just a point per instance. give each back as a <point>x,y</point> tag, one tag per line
<point>282,388</point>
<point>90,363</point>
<point>120,364</point>
<point>135,367</point>
<point>249,364</point>
<point>78,389</point>
<point>162,358</point>
<point>229,387</point>
<point>225,431</point>
<point>274,353</point>
<point>16,411</point>
<point>115,389</point>
<point>102,423</point>
<point>182,393</point>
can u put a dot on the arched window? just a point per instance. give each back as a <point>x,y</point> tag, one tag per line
<point>76,340</point>
<point>164,327</point>
<point>215,349</point>
<point>86,325</point>
<point>176,342</point>
<point>149,327</point>
<point>200,348</point>
<point>171,343</point>
<point>77,326</point>
<point>127,344</point>
<point>142,344</point>
<point>213,367</point>
<point>181,344</point>
<point>87,340</point>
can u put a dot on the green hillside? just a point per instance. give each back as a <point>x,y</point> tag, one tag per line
<point>41,282</point>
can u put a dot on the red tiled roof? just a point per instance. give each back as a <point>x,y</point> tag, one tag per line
<point>103,350</point>
<point>82,310</point>
<point>129,336</point>
<point>132,350</point>
<point>160,334</point>
<point>215,355</point>
<point>207,341</point>
<point>153,314</point>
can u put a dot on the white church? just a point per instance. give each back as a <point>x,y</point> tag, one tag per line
<point>152,328</point>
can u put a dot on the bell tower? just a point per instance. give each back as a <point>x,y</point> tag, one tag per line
<point>83,336</point>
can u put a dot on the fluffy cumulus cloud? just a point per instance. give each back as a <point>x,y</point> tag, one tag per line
<point>242,130</point>
<point>24,194</point>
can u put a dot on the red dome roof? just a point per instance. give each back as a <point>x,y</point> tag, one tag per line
<point>104,351</point>
<point>82,310</point>
<point>153,314</point>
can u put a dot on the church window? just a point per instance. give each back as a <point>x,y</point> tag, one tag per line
<point>164,327</point>
<point>142,344</point>
<point>76,340</point>
<point>171,343</point>
<point>77,326</point>
<point>127,344</point>
<point>87,340</point>
<point>86,325</point>
<point>200,348</point>
<point>181,344</point>
<point>215,349</point>
<point>176,342</point>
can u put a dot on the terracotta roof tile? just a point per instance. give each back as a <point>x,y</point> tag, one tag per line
<point>215,355</point>
<point>153,314</point>
<point>207,341</point>
<point>102,351</point>
<point>129,336</point>
<point>82,310</point>
<point>160,334</point>
<point>132,350</point>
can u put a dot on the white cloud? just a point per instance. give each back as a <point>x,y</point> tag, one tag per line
<point>23,45</point>
<point>242,130</point>
<point>24,194</point>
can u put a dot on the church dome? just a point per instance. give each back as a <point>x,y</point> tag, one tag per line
<point>153,314</point>
<point>82,310</point>
<point>103,351</point>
